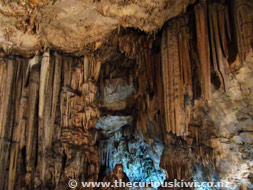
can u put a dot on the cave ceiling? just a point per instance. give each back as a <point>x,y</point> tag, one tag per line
<point>30,26</point>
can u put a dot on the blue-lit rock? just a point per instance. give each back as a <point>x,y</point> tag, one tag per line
<point>113,123</point>
<point>139,159</point>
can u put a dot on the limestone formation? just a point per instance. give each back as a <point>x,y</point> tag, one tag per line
<point>98,91</point>
<point>117,175</point>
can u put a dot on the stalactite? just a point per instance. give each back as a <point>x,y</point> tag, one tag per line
<point>79,110</point>
<point>83,91</point>
<point>50,104</point>
<point>44,111</point>
<point>178,164</point>
<point>19,128</point>
<point>149,95</point>
<point>244,27</point>
<point>6,117</point>
<point>219,38</point>
<point>164,59</point>
<point>149,67</point>
<point>31,130</point>
<point>203,47</point>
<point>50,80</point>
<point>32,89</point>
<point>177,78</point>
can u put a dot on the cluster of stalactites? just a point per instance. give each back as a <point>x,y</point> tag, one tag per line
<point>177,76</point>
<point>188,71</point>
<point>29,102</point>
<point>243,13</point>
<point>79,110</point>
<point>47,105</point>
<point>79,113</point>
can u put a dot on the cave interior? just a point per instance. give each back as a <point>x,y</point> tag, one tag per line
<point>155,98</point>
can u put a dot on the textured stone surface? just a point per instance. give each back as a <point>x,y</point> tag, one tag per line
<point>178,103</point>
<point>231,115</point>
<point>140,160</point>
<point>77,25</point>
<point>113,123</point>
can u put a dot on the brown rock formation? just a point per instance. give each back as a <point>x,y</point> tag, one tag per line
<point>183,79</point>
<point>30,26</point>
<point>117,175</point>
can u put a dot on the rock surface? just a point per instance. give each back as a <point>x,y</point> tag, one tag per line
<point>78,25</point>
<point>164,99</point>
